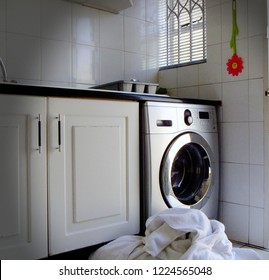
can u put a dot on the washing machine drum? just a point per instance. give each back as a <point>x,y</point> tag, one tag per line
<point>186,171</point>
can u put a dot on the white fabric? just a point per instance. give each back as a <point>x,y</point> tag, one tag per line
<point>176,233</point>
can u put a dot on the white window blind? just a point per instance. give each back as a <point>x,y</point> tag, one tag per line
<point>182,32</point>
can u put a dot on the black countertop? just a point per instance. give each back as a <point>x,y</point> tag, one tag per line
<point>68,92</point>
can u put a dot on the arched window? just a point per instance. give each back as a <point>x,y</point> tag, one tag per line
<point>182,32</point>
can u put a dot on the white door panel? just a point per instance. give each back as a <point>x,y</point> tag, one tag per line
<point>93,198</point>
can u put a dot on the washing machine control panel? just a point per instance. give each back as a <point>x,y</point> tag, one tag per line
<point>170,118</point>
<point>204,119</point>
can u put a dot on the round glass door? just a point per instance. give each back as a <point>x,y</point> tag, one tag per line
<point>186,174</point>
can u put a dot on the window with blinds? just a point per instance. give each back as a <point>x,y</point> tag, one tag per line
<point>182,32</point>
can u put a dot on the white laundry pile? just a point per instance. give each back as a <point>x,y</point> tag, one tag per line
<point>176,233</point>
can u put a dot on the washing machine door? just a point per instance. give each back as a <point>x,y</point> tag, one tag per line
<point>186,173</point>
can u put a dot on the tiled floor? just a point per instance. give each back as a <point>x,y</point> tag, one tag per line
<point>263,253</point>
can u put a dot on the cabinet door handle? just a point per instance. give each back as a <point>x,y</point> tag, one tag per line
<point>59,133</point>
<point>39,134</point>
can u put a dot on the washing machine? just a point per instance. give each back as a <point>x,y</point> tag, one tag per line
<point>180,157</point>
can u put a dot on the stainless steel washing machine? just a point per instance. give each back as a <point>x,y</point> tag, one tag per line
<point>180,157</point>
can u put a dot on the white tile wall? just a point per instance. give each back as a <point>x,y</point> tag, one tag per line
<point>256,150</point>
<point>2,15</point>
<point>135,35</point>
<point>56,20</point>
<point>213,24</point>
<point>23,56</point>
<point>23,17</point>
<point>151,11</point>
<point>210,72</point>
<point>138,11</point>
<point>188,92</point>
<point>235,101</point>
<point>241,115</point>
<point>236,220</point>
<point>211,3</point>
<point>256,98</point>
<point>235,142</point>
<point>188,76</point>
<point>56,61</point>
<point>256,226</point>
<point>152,65</point>
<point>111,31</point>
<point>56,42</point>
<point>235,178</point>
<point>135,66</point>
<point>256,189</point>
<point>211,92</point>
<point>85,64</point>
<point>169,78</point>
<point>111,57</point>
<point>258,11</point>
<point>2,49</point>
<point>256,56</point>
<point>152,41</point>
<point>85,26</point>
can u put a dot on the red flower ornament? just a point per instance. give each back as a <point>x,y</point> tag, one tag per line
<point>235,65</point>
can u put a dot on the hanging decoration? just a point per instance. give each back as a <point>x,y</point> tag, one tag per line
<point>235,63</point>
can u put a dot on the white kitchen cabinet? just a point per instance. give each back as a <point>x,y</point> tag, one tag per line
<point>23,177</point>
<point>69,174</point>
<point>93,174</point>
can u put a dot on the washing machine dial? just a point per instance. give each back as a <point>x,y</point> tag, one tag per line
<point>189,120</point>
<point>188,117</point>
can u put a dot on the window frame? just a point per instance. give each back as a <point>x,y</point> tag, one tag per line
<point>166,26</point>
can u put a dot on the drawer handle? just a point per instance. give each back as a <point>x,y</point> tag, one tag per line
<point>39,134</point>
<point>59,133</point>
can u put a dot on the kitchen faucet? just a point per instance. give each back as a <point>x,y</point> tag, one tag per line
<point>4,71</point>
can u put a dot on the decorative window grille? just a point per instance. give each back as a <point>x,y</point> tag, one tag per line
<point>182,32</point>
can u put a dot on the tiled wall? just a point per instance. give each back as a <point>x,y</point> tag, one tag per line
<point>54,42</point>
<point>241,114</point>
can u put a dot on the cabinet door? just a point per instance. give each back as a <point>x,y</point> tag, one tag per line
<point>93,153</point>
<point>23,195</point>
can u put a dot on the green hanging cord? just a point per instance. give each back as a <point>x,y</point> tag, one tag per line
<point>234,28</point>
